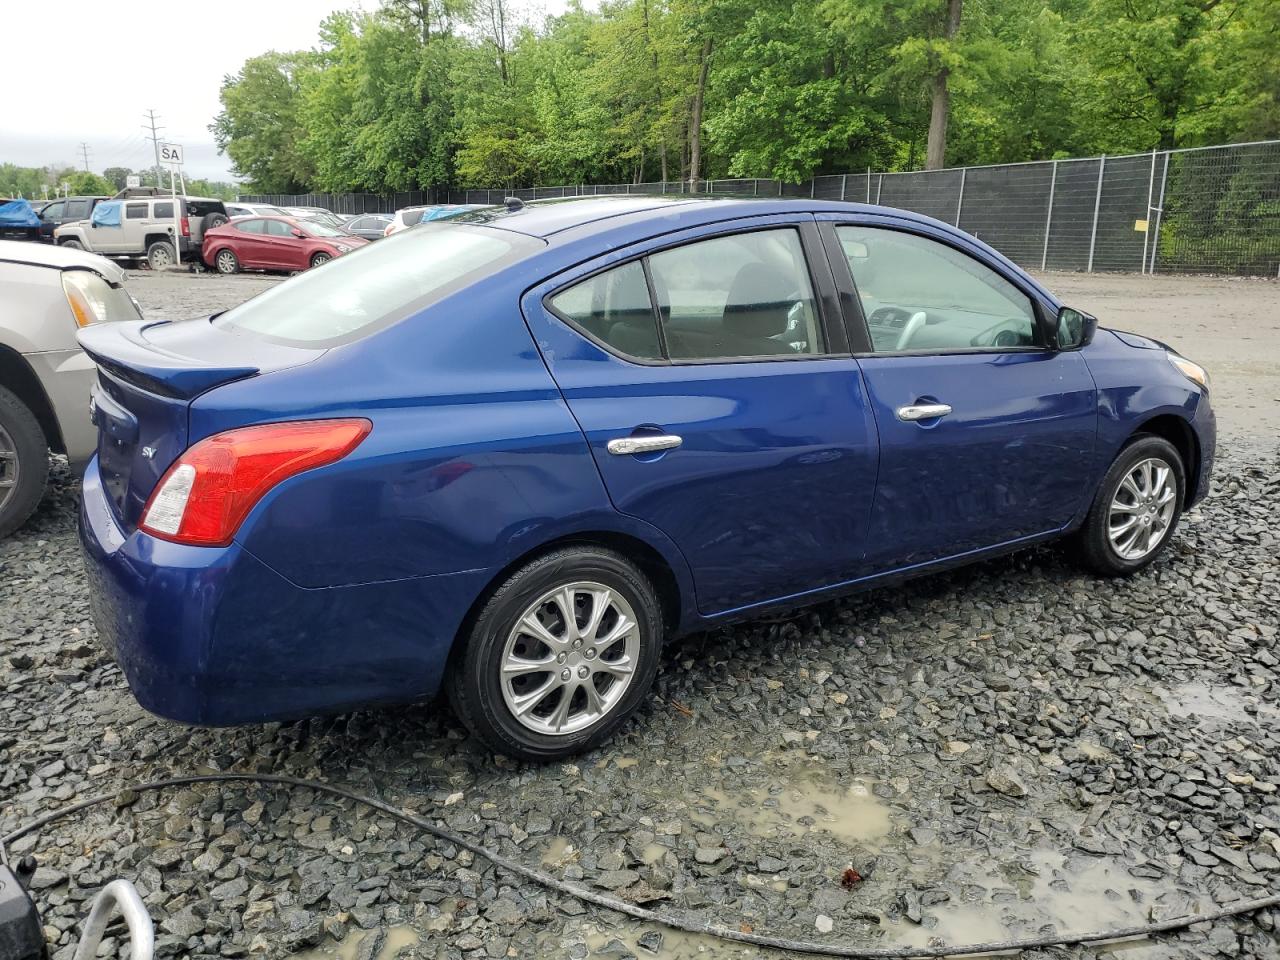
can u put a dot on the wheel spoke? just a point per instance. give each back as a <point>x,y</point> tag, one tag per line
<point>622,667</point>
<point>619,630</point>
<point>1119,507</point>
<point>519,667</point>
<point>561,713</point>
<point>531,625</point>
<point>564,600</point>
<point>595,703</point>
<point>1131,487</point>
<point>1124,527</point>
<point>523,704</point>
<point>600,600</point>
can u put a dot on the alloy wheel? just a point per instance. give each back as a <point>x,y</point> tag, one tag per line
<point>1142,509</point>
<point>9,467</point>
<point>226,262</point>
<point>319,259</point>
<point>570,658</point>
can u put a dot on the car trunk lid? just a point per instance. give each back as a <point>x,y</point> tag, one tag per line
<point>148,374</point>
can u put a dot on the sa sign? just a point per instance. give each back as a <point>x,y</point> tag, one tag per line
<point>171,153</point>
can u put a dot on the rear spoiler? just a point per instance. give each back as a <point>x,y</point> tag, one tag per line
<point>131,352</point>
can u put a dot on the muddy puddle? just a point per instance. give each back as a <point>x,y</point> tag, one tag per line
<point>396,939</point>
<point>1022,896</point>
<point>1216,704</point>
<point>849,812</point>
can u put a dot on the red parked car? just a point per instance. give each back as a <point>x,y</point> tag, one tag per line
<point>274,243</point>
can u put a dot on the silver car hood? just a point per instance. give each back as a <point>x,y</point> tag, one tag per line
<point>59,258</point>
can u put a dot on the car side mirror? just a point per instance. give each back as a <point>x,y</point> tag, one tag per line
<point>1073,329</point>
<point>298,233</point>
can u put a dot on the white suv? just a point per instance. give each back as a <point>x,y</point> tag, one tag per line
<point>136,228</point>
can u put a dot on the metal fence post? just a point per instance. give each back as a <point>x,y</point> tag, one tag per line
<point>1097,201</point>
<point>1048,216</point>
<point>960,199</point>
<point>1155,242</point>
<point>868,184</point>
<point>844,182</point>
<point>1146,234</point>
<point>813,187</point>
<point>879,187</point>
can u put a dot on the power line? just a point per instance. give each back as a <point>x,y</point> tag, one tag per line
<point>154,138</point>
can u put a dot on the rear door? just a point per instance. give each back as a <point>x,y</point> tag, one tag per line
<point>986,434</point>
<point>719,404</point>
<point>249,244</point>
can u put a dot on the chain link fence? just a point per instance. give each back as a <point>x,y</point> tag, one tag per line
<point>1200,210</point>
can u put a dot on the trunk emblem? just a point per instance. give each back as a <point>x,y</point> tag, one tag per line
<point>149,452</point>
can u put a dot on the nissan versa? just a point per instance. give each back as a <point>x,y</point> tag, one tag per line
<point>512,452</point>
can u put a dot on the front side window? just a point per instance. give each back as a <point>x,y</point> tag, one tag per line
<point>135,211</point>
<point>614,308</point>
<point>378,284</point>
<point>919,294</point>
<point>746,295</point>
<point>277,228</point>
<point>53,211</point>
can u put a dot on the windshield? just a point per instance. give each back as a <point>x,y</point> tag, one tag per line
<point>377,284</point>
<point>319,229</point>
<point>265,211</point>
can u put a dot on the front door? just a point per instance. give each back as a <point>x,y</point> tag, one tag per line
<point>986,434</point>
<point>718,405</point>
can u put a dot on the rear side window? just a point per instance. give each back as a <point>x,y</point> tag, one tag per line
<point>77,209</point>
<point>135,211</point>
<point>742,296</point>
<point>378,284</point>
<point>163,211</point>
<point>614,308</point>
<point>250,226</point>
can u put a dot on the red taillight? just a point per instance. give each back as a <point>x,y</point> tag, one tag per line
<point>204,497</point>
<point>186,227</point>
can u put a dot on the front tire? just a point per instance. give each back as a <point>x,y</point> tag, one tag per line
<point>319,259</point>
<point>539,683</point>
<point>24,462</point>
<point>72,244</point>
<point>1136,508</point>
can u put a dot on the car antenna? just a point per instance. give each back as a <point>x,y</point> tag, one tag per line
<point>513,203</point>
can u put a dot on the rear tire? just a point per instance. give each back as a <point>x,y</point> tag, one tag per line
<point>591,683</point>
<point>24,462</point>
<point>160,255</point>
<point>226,262</point>
<point>1136,508</point>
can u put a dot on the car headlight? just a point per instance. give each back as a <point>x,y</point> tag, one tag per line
<point>1192,371</point>
<point>93,300</point>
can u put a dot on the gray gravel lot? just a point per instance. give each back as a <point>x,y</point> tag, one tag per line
<point>1005,750</point>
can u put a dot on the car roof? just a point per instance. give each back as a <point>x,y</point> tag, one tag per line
<point>543,218</point>
<point>61,258</point>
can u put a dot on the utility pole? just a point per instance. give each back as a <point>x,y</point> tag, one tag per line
<point>84,152</point>
<point>154,138</point>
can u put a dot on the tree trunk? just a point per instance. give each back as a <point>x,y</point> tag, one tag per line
<point>936,154</point>
<point>695,116</point>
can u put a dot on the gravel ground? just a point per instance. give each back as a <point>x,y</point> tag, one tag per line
<point>1005,750</point>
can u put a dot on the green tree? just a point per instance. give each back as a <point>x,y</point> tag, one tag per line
<point>258,127</point>
<point>84,183</point>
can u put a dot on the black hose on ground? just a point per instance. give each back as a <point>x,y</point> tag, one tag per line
<point>674,921</point>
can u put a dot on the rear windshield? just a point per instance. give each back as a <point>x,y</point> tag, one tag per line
<point>377,284</point>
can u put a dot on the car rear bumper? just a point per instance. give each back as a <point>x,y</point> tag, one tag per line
<point>214,636</point>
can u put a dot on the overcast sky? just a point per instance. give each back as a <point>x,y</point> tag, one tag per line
<point>111,66</point>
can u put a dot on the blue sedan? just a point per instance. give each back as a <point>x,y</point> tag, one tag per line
<point>510,454</point>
